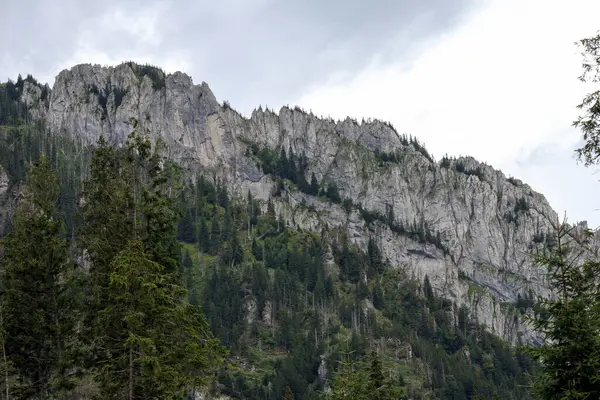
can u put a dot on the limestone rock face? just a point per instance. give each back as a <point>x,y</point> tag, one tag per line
<point>484,223</point>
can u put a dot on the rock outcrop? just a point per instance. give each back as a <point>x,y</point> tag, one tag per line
<point>483,225</point>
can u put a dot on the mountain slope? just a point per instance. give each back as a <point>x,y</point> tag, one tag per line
<point>461,223</point>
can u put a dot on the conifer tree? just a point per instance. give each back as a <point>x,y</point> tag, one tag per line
<point>36,266</point>
<point>589,120</point>
<point>204,237</point>
<point>569,324</point>
<point>350,382</point>
<point>156,344</point>
<point>215,236</point>
<point>145,339</point>
<point>314,185</point>
<point>288,394</point>
<point>186,229</point>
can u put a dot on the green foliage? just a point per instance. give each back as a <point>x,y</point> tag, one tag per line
<point>129,234</point>
<point>416,231</point>
<point>365,379</point>
<point>35,306</point>
<point>524,303</point>
<point>521,205</point>
<point>459,166</point>
<point>156,75</point>
<point>288,394</point>
<point>332,193</point>
<point>384,157</point>
<point>119,94</point>
<point>589,120</point>
<point>303,313</point>
<point>269,292</point>
<point>13,111</point>
<point>286,166</point>
<point>570,323</point>
<point>126,196</point>
<point>418,146</point>
<point>102,95</point>
<point>150,332</point>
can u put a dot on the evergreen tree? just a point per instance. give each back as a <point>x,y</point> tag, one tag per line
<point>589,121</point>
<point>350,382</point>
<point>187,265</point>
<point>204,237</point>
<point>215,236</point>
<point>333,193</point>
<point>223,197</point>
<point>35,309</point>
<point>155,344</point>
<point>186,229</point>
<point>292,170</point>
<point>283,168</point>
<point>138,319</point>
<point>374,255</point>
<point>314,185</point>
<point>288,394</point>
<point>427,289</point>
<point>570,324</point>
<point>107,217</point>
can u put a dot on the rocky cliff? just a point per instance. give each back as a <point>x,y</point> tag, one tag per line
<point>460,222</point>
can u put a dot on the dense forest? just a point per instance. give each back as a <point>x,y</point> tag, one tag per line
<point>153,283</point>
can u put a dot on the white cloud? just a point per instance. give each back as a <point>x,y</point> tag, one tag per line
<point>117,26</point>
<point>500,86</point>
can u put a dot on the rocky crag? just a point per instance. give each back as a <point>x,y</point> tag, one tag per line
<point>461,223</point>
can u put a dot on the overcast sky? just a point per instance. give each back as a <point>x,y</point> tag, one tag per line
<point>495,79</point>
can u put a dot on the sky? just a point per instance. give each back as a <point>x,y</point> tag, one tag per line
<point>493,79</point>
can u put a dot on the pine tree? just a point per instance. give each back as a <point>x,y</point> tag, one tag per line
<point>570,324</point>
<point>36,265</point>
<point>288,394</point>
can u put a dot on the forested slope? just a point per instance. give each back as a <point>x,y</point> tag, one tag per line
<point>307,310</point>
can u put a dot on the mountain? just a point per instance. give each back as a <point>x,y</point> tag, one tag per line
<point>457,227</point>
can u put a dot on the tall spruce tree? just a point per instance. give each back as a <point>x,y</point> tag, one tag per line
<point>36,266</point>
<point>159,344</point>
<point>145,339</point>
<point>569,323</point>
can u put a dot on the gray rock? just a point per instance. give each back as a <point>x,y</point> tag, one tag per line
<point>486,222</point>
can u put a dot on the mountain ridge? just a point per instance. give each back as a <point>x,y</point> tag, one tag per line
<point>459,222</point>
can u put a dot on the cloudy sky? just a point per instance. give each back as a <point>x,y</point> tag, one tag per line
<point>495,79</point>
